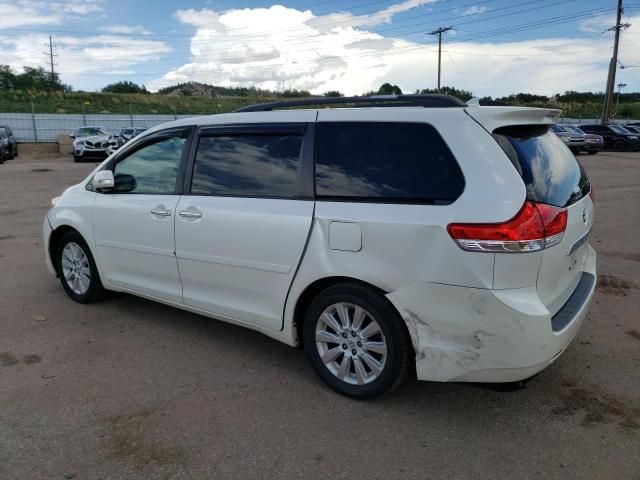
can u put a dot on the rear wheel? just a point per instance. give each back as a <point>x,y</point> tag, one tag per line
<point>356,342</point>
<point>619,146</point>
<point>77,269</point>
<point>592,152</point>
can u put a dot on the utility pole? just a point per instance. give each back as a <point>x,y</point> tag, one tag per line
<point>51,55</point>
<point>611,77</point>
<point>439,32</point>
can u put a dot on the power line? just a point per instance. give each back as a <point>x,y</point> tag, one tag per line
<point>308,41</point>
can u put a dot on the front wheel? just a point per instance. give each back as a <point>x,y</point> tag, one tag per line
<point>356,342</point>
<point>77,269</point>
<point>77,158</point>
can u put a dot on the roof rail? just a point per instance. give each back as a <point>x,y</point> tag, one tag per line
<point>427,101</point>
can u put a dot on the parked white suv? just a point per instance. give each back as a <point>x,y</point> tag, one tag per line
<point>401,231</point>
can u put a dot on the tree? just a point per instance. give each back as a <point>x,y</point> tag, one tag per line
<point>388,89</point>
<point>295,93</point>
<point>463,95</point>
<point>7,78</point>
<point>32,78</point>
<point>333,93</point>
<point>124,87</point>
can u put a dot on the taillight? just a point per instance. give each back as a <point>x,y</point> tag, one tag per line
<point>536,226</point>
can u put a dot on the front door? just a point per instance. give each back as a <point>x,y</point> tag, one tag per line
<point>134,223</point>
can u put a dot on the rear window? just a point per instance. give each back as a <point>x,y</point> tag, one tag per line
<point>385,162</point>
<point>247,165</point>
<point>551,173</point>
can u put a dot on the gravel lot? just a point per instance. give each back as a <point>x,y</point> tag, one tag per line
<point>127,388</point>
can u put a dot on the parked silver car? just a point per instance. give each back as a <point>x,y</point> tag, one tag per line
<point>572,138</point>
<point>91,142</point>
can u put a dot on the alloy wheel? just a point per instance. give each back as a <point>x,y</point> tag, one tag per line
<point>75,268</point>
<point>350,343</point>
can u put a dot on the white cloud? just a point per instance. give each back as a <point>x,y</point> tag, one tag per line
<point>127,29</point>
<point>22,14</point>
<point>475,10</point>
<point>267,46</point>
<point>82,7</point>
<point>83,59</point>
<point>597,24</point>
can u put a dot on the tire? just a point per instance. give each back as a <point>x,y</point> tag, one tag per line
<point>10,154</point>
<point>74,250</point>
<point>619,146</point>
<point>592,152</point>
<point>77,158</point>
<point>393,352</point>
<point>15,150</point>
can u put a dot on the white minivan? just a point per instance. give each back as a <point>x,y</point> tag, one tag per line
<point>396,235</point>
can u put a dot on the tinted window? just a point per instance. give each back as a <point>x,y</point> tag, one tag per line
<point>247,165</point>
<point>618,129</point>
<point>153,168</point>
<point>550,172</point>
<point>90,132</point>
<point>385,161</point>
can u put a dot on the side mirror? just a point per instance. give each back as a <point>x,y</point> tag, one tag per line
<point>103,180</point>
<point>125,183</point>
<point>72,135</point>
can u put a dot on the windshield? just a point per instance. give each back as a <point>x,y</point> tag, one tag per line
<point>618,129</point>
<point>550,172</point>
<point>91,132</point>
<point>573,129</point>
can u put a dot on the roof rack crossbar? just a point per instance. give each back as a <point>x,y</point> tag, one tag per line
<point>427,101</point>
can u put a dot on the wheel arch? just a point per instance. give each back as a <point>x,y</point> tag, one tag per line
<point>314,288</point>
<point>55,237</point>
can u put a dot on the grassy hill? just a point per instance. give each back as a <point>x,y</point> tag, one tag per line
<point>197,99</point>
<point>93,102</point>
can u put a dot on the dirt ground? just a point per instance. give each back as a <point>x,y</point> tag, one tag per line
<point>130,389</point>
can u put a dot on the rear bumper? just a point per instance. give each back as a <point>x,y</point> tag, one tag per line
<point>477,335</point>
<point>594,147</point>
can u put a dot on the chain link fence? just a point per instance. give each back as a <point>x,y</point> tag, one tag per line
<point>46,127</point>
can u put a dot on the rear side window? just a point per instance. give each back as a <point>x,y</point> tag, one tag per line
<point>385,162</point>
<point>247,165</point>
<point>551,173</point>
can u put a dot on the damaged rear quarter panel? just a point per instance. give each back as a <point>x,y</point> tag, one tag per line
<point>457,330</point>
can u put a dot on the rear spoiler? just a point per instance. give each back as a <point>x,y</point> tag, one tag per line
<point>495,117</point>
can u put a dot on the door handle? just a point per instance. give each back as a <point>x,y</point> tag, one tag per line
<point>190,214</point>
<point>160,213</point>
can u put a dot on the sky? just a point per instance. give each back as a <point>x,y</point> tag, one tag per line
<point>496,47</point>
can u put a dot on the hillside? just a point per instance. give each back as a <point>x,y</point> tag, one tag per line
<point>94,102</point>
<point>196,99</point>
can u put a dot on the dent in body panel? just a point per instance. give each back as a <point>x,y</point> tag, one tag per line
<point>458,330</point>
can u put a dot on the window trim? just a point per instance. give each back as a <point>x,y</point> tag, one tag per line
<point>390,200</point>
<point>304,177</point>
<point>142,142</point>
